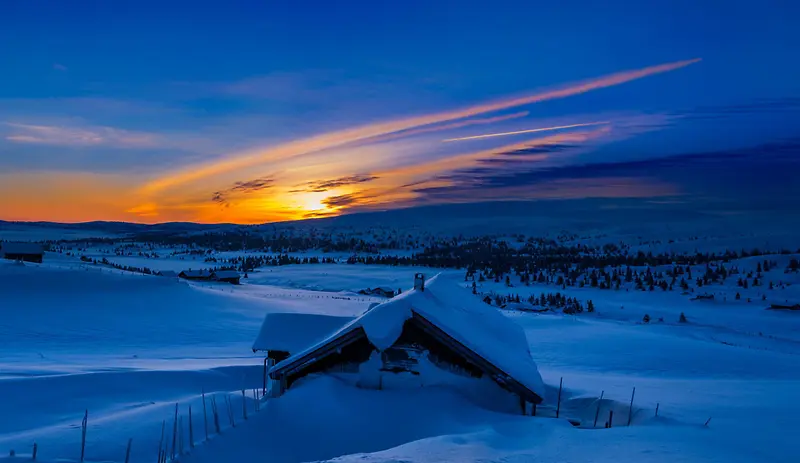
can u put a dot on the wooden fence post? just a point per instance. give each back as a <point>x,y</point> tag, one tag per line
<point>180,435</point>
<point>35,449</point>
<point>174,431</point>
<point>215,412</point>
<point>229,406</point>
<point>161,442</point>
<point>264,390</point>
<point>205,417</point>
<point>244,405</point>
<point>630,410</point>
<point>191,429</point>
<point>84,425</point>
<point>657,409</point>
<point>128,451</point>
<point>558,406</point>
<point>597,413</point>
<point>610,418</point>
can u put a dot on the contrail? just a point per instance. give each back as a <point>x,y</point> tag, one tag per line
<point>542,129</point>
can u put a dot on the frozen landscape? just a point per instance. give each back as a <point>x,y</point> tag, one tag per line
<point>418,232</point>
<point>95,328</point>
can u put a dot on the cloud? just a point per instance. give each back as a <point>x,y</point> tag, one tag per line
<point>325,185</point>
<point>242,188</point>
<point>60,67</point>
<point>342,200</point>
<point>348,136</point>
<point>79,136</point>
<point>253,185</point>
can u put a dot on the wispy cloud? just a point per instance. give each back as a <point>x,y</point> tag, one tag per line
<point>242,188</point>
<point>78,136</point>
<point>341,200</point>
<point>339,138</point>
<point>325,185</point>
<point>60,67</point>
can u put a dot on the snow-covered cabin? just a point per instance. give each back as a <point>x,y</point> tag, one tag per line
<point>195,275</point>
<point>22,251</point>
<point>382,291</point>
<point>438,329</point>
<point>226,276</point>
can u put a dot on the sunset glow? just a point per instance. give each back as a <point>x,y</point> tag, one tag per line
<point>256,135</point>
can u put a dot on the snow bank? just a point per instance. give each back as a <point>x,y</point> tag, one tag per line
<point>326,418</point>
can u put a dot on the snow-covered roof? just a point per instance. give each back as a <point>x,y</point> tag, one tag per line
<point>453,309</point>
<point>168,273</point>
<point>12,247</point>
<point>226,274</point>
<point>292,332</point>
<point>196,273</point>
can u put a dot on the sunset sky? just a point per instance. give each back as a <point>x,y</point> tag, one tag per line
<point>260,111</point>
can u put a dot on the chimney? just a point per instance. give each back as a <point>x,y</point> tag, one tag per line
<point>419,282</point>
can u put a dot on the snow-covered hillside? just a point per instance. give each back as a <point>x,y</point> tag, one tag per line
<point>127,347</point>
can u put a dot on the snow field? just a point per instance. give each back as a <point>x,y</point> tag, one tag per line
<point>128,347</point>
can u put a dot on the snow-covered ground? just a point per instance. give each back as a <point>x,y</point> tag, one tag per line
<point>128,347</point>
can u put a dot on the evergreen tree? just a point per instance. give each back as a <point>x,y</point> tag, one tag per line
<point>682,318</point>
<point>646,318</point>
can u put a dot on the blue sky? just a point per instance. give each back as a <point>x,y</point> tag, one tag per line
<point>238,111</point>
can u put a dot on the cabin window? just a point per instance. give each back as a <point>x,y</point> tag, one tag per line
<point>402,358</point>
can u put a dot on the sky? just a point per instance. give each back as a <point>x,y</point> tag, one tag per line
<point>261,111</point>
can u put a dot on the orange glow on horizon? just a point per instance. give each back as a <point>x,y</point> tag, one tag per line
<point>350,169</point>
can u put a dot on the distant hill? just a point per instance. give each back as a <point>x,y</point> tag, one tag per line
<point>544,217</point>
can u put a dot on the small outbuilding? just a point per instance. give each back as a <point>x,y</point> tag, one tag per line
<point>197,275</point>
<point>437,330</point>
<point>22,251</point>
<point>168,273</point>
<point>784,307</point>
<point>226,276</point>
<point>383,291</point>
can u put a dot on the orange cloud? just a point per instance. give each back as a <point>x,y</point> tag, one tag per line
<point>334,139</point>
